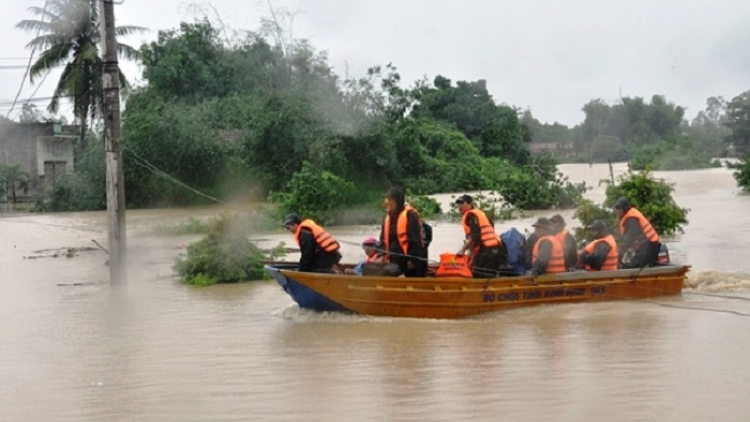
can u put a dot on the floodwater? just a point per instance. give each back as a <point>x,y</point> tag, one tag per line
<point>76,349</point>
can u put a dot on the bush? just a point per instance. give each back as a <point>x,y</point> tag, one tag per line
<point>427,207</point>
<point>652,197</point>
<point>742,172</point>
<point>316,194</point>
<point>83,190</point>
<point>224,255</point>
<point>586,213</point>
<point>539,186</point>
<point>487,203</point>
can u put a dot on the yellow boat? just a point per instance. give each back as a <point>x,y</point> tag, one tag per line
<point>453,297</point>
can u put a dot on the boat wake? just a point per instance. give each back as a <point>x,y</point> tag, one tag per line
<point>294,313</point>
<point>717,281</point>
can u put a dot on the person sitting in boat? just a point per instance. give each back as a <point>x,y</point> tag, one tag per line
<point>601,254</point>
<point>547,255</point>
<point>401,236</point>
<point>319,250</point>
<point>481,239</point>
<point>370,246</point>
<point>640,242</point>
<point>566,239</point>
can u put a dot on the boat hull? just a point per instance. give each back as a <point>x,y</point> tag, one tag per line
<point>454,297</point>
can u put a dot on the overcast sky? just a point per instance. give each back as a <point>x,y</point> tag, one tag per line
<point>550,56</point>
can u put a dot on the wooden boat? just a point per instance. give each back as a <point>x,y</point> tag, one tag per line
<point>453,297</point>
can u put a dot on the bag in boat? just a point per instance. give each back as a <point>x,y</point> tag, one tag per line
<point>452,265</point>
<point>515,244</point>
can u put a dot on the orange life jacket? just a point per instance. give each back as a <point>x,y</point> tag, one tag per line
<point>452,265</point>
<point>401,231</point>
<point>556,262</point>
<point>610,263</point>
<point>325,241</point>
<point>648,230</point>
<point>487,233</point>
<point>561,237</point>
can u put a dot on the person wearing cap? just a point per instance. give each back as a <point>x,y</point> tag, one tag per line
<point>566,239</point>
<point>547,255</point>
<point>370,246</point>
<point>481,239</point>
<point>318,249</point>
<point>640,242</point>
<point>401,236</point>
<point>601,254</point>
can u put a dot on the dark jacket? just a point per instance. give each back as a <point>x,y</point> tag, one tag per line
<point>570,252</point>
<point>416,252</point>
<point>313,259</point>
<point>530,242</point>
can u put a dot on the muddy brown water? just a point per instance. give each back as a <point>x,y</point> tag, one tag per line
<point>76,349</point>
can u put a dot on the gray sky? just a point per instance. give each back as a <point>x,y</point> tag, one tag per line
<point>549,56</point>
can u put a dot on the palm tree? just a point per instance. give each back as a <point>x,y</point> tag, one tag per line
<point>13,175</point>
<point>68,35</point>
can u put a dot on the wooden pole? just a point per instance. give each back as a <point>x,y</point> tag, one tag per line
<point>113,147</point>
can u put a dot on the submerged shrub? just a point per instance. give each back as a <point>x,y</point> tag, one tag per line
<point>224,255</point>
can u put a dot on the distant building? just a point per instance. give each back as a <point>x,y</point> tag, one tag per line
<point>42,149</point>
<point>557,149</point>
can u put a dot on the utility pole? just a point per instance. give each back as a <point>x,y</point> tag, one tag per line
<point>113,147</point>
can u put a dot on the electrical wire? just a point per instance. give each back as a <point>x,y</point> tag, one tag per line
<point>28,66</point>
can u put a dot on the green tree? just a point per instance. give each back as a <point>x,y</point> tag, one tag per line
<point>15,178</point>
<point>69,37</point>
<point>738,120</point>
<point>494,129</point>
<point>742,172</point>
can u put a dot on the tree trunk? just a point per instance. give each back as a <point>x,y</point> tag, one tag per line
<point>82,142</point>
<point>13,191</point>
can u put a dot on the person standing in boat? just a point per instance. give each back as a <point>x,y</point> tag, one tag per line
<point>640,242</point>
<point>481,239</point>
<point>401,236</point>
<point>370,246</point>
<point>601,254</point>
<point>566,239</point>
<point>547,255</point>
<point>319,250</point>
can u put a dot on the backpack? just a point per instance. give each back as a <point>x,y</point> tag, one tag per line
<point>426,234</point>
<point>515,244</point>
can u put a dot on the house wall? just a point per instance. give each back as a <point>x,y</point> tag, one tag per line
<point>31,145</point>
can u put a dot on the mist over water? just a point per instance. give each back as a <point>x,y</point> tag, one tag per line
<point>76,349</point>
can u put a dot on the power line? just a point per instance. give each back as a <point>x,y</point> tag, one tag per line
<point>28,66</point>
<point>140,161</point>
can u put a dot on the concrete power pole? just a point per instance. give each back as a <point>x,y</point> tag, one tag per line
<point>113,147</point>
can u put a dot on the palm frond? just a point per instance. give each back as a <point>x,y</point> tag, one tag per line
<point>43,13</point>
<point>124,31</point>
<point>54,104</point>
<point>46,41</point>
<point>54,56</point>
<point>124,84</point>
<point>128,52</point>
<point>32,25</point>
